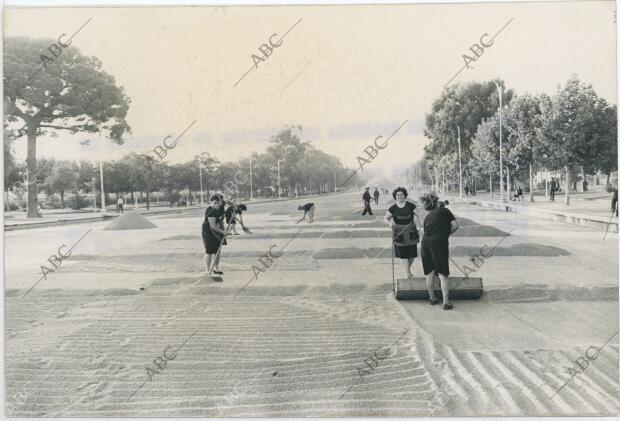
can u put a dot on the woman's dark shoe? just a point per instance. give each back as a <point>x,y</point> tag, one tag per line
<point>218,272</point>
<point>433,302</point>
<point>447,306</point>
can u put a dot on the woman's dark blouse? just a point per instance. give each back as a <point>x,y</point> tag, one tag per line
<point>212,212</point>
<point>437,224</point>
<point>404,215</point>
<point>229,214</point>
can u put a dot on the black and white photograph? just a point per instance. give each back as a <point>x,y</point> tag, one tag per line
<point>330,210</point>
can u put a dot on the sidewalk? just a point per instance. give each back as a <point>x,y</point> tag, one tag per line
<point>53,217</point>
<point>591,209</point>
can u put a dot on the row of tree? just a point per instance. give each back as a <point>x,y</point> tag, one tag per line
<point>303,169</point>
<point>573,131</point>
<point>72,93</point>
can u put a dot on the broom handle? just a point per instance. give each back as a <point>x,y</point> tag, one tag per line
<point>610,216</point>
<point>219,249</point>
<point>393,281</point>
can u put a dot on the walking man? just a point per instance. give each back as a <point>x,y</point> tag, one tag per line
<point>366,198</point>
<point>376,196</point>
<point>552,188</point>
<point>119,205</point>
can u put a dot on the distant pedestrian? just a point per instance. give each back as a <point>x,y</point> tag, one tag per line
<point>614,202</point>
<point>439,224</point>
<point>400,216</point>
<point>213,236</point>
<point>119,205</point>
<point>375,194</point>
<point>552,189</point>
<point>366,198</point>
<point>308,209</point>
<point>467,190</point>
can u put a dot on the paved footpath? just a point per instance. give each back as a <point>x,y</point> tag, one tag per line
<point>293,342</point>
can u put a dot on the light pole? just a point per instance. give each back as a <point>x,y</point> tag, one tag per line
<point>279,189</point>
<point>251,189</point>
<point>101,177</point>
<point>202,202</point>
<point>501,165</point>
<point>460,166</point>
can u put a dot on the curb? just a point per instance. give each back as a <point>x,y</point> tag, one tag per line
<point>590,221</point>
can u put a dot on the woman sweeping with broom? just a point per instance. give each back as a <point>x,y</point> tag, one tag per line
<point>213,235</point>
<point>439,224</point>
<point>404,232</point>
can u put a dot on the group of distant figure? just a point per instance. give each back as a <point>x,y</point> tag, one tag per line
<point>367,199</point>
<point>469,190</point>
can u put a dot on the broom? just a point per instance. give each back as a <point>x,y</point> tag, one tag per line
<point>219,250</point>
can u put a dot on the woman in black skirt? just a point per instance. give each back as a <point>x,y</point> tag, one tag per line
<point>213,235</point>
<point>439,224</point>
<point>404,232</point>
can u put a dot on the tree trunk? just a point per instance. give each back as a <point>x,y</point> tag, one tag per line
<point>508,182</point>
<point>77,200</point>
<point>567,198</point>
<point>531,184</point>
<point>608,177</point>
<point>31,160</point>
<point>147,200</point>
<point>62,200</point>
<point>583,182</point>
<point>491,185</point>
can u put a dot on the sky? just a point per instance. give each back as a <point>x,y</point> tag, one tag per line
<point>346,73</point>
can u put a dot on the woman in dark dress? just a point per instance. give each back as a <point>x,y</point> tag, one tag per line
<point>439,224</point>
<point>404,232</point>
<point>233,215</point>
<point>308,208</point>
<point>213,235</point>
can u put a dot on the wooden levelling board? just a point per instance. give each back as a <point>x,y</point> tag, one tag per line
<point>460,288</point>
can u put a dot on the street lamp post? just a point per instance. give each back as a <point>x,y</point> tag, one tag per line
<point>279,189</point>
<point>501,165</point>
<point>202,201</point>
<point>251,188</point>
<point>460,166</point>
<point>101,174</point>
